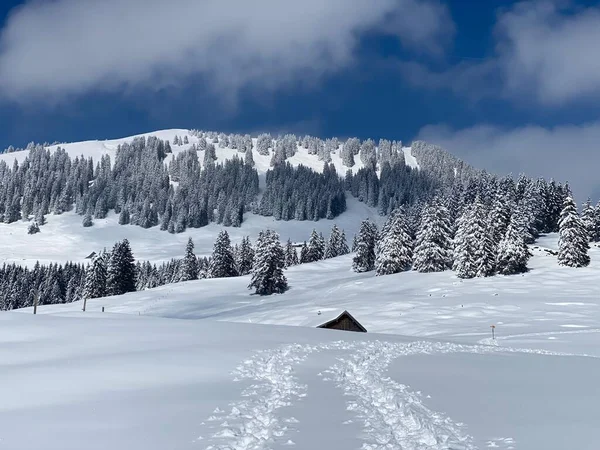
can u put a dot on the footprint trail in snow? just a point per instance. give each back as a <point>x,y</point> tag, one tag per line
<point>394,417</point>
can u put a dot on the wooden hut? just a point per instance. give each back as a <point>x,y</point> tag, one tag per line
<point>344,322</point>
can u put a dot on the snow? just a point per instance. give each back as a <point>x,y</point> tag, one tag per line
<point>97,148</point>
<point>98,381</point>
<point>425,305</point>
<point>139,377</point>
<point>409,158</point>
<point>247,372</point>
<point>63,238</point>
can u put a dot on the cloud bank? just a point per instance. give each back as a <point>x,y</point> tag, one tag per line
<point>567,153</point>
<point>73,46</point>
<point>545,51</point>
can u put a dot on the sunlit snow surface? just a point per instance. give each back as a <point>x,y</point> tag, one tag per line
<point>247,372</point>
<point>138,380</point>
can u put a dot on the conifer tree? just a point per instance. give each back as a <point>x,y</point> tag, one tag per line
<point>33,228</point>
<point>433,251</point>
<point>316,247</point>
<point>394,249</point>
<point>304,253</point>
<point>189,267</point>
<point>223,263</point>
<point>573,241</point>
<point>500,216</point>
<point>513,252</point>
<point>336,245</point>
<point>249,158</point>
<point>267,274</point>
<point>588,218</point>
<point>124,217</point>
<point>87,220</point>
<point>473,246</point>
<point>95,278</point>
<point>364,260</point>
<point>291,255</point>
<point>595,236</point>
<point>121,269</point>
<point>245,257</point>
<point>40,219</point>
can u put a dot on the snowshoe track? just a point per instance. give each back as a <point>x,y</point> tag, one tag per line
<point>253,423</point>
<point>394,417</point>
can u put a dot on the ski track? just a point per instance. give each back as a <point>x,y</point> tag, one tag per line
<point>394,417</point>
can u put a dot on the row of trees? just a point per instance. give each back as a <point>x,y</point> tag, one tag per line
<point>483,241</point>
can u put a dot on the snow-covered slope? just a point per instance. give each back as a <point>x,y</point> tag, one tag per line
<point>144,379</point>
<point>97,148</point>
<point>99,381</point>
<point>551,306</point>
<point>64,239</point>
<point>245,372</point>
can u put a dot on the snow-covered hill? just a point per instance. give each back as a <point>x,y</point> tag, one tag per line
<point>561,303</point>
<point>135,377</point>
<point>64,239</point>
<point>96,148</point>
<point>244,372</point>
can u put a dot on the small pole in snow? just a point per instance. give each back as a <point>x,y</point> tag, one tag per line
<point>103,309</point>
<point>35,302</point>
<point>493,327</point>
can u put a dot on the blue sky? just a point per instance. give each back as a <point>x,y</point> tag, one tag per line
<point>509,86</point>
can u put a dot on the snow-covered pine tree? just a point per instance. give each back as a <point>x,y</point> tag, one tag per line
<point>291,255</point>
<point>121,269</point>
<point>210,155</point>
<point>343,245</point>
<point>316,247</point>
<point>263,143</point>
<point>40,218</point>
<point>124,217</point>
<point>473,247</point>
<point>33,228</point>
<point>333,243</point>
<point>304,253</point>
<point>95,278</point>
<point>500,216</point>
<point>573,243</point>
<point>596,230</point>
<point>394,248</point>
<point>267,273</point>
<point>245,257</point>
<point>364,260</point>
<point>513,252</point>
<point>336,245</point>
<point>249,158</point>
<point>588,217</point>
<point>222,263</point>
<point>433,250</point>
<point>189,266</point>
<point>87,220</point>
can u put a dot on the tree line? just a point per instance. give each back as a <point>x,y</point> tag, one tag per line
<point>116,272</point>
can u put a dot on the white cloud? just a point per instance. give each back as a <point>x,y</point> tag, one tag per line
<point>567,153</point>
<point>550,50</point>
<point>48,49</point>
<point>545,52</point>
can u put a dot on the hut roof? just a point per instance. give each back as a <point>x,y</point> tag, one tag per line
<point>343,315</point>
